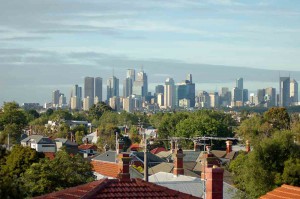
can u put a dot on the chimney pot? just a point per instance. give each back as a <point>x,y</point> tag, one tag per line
<point>228,146</point>
<point>173,146</point>
<point>119,147</point>
<point>123,167</point>
<point>214,182</point>
<point>178,162</point>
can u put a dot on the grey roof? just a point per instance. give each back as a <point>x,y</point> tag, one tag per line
<point>66,142</point>
<point>187,184</point>
<point>168,168</point>
<point>151,157</point>
<point>191,156</point>
<point>108,156</point>
<point>39,139</point>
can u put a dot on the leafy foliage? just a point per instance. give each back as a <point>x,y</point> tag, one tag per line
<point>52,175</point>
<point>273,161</point>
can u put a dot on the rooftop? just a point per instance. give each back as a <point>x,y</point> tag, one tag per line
<point>115,188</point>
<point>283,192</point>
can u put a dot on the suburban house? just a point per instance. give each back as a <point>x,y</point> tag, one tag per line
<point>285,191</point>
<point>68,145</point>
<point>87,149</point>
<point>123,187</point>
<point>39,143</point>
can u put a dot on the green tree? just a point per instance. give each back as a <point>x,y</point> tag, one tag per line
<point>97,110</point>
<point>273,161</point>
<point>52,175</point>
<point>278,118</point>
<point>78,137</point>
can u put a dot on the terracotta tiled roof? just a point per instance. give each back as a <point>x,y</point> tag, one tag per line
<point>135,147</point>
<point>283,192</point>
<point>108,169</point>
<point>114,188</point>
<point>157,150</point>
<point>87,146</point>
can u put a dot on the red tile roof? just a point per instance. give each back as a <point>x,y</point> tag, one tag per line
<point>135,147</point>
<point>157,150</point>
<point>87,146</point>
<point>283,192</point>
<point>114,188</point>
<point>108,169</point>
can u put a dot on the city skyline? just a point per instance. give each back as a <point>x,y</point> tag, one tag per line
<point>52,45</point>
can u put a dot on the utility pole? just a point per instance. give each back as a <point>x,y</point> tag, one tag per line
<point>145,152</point>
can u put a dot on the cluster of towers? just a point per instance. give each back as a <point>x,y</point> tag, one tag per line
<point>171,95</point>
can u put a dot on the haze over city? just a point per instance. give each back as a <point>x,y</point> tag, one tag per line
<point>51,45</point>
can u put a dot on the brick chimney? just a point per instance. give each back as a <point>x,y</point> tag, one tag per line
<point>196,146</point>
<point>228,146</point>
<point>173,146</point>
<point>208,161</point>
<point>208,149</point>
<point>178,162</point>
<point>214,182</point>
<point>248,149</point>
<point>119,146</point>
<point>123,166</point>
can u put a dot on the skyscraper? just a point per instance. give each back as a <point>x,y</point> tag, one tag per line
<point>294,91</point>
<point>112,87</point>
<point>185,90</point>
<point>76,97</point>
<point>140,86</point>
<point>55,98</point>
<point>159,89</point>
<point>260,96</point>
<point>89,88</point>
<point>284,91</point>
<point>98,89</point>
<point>240,83</point>
<point>271,96</point>
<point>128,82</point>
<point>169,93</point>
<point>189,78</point>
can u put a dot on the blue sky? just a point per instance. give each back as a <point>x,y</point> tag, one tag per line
<point>52,44</point>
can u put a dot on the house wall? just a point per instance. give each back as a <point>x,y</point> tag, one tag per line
<point>46,148</point>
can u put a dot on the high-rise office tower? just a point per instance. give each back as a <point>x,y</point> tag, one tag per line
<point>76,97</point>
<point>169,93</point>
<point>237,95</point>
<point>284,91</point>
<point>130,74</point>
<point>128,82</point>
<point>214,99</point>
<point>112,87</point>
<point>55,98</point>
<point>203,100</point>
<point>271,96</point>
<point>159,89</point>
<point>62,100</point>
<point>240,83</point>
<point>89,88</point>
<point>260,95</point>
<point>140,86</point>
<point>185,90</point>
<point>294,91</point>
<point>189,78</point>
<point>245,95</point>
<point>98,89</point>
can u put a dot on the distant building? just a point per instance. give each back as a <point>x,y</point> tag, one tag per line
<point>214,99</point>
<point>260,96</point>
<point>184,103</point>
<point>114,103</point>
<point>271,96</point>
<point>128,82</point>
<point>160,100</point>
<point>112,87</point>
<point>185,90</point>
<point>237,95</point>
<point>55,98</point>
<point>159,89</point>
<point>89,87</point>
<point>98,90</point>
<point>169,93</point>
<point>140,85</point>
<point>284,91</point>
<point>128,104</point>
<point>294,91</point>
<point>87,104</point>
<point>203,100</point>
